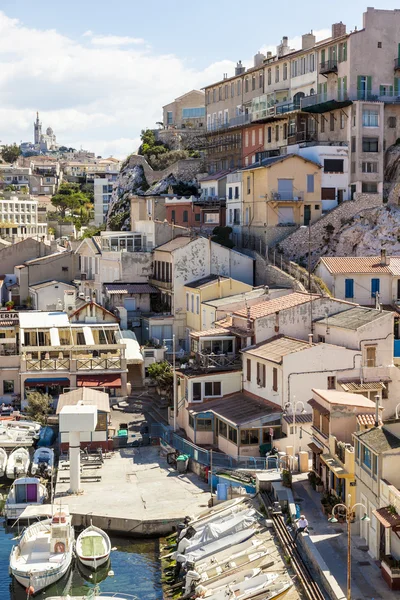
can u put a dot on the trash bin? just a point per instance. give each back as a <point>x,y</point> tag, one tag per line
<point>182,463</point>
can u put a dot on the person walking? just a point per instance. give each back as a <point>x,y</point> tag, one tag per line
<point>302,525</point>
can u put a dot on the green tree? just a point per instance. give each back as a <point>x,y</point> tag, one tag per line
<point>221,235</point>
<point>10,153</point>
<point>39,406</point>
<point>71,199</point>
<point>91,231</point>
<point>162,374</point>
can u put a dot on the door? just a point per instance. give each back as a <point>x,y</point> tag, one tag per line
<point>307,214</point>
<point>340,196</point>
<point>130,304</point>
<point>285,189</point>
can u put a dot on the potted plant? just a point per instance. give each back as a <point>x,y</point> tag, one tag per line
<point>10,304</point>
<point>319,486</point>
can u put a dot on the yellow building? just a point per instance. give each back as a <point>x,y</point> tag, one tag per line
<point>283,190</point>
<point>208,288</point>
<point>340,464</point>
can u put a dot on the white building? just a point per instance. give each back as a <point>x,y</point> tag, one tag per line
<point>19,217</point>
<point>361,278</point>
<point>234,202</point>
<point>103,187</point>
<point>333,156</point>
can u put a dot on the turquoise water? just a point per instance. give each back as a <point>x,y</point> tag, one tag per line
<point>135,564</point>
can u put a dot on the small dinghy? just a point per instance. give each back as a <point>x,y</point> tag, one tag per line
<point>18,463</point>
<point>43,462</point>
<point>93,547</point>
<point>3,462</point>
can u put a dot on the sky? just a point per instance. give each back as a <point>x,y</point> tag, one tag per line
<point>99,72</point>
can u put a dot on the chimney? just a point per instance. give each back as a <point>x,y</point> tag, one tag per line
<point>338,29</point>
<point>239,68</point>
<point>285,41</point>
<point>384,260</point>
<point>307,41</point>
<point>259,59</point>
<point>377,399</point>
<point>310,339</point>
<point>269,54</point>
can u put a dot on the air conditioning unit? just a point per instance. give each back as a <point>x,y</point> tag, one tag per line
<point>87,298</point>
<point>81,295</point>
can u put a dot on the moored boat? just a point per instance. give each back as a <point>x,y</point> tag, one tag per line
<point>3,462</point>
<point>25,491</point>
<point>18,463</point>
<point>93,547</point>
<point>43,462</point>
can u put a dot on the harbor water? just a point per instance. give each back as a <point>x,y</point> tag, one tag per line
<point>135,564</point>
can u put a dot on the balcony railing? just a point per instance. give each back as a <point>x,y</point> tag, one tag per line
<point>293,196</point>
<point>98,363</point>
<point>48,364</point>
<point>328,66</point>
<point>165,285</point>
<point>302,136</point>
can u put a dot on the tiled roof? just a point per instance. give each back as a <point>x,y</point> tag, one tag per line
<point>130,288</point>
<point>360,264</point>
<point>205,281</point>
<point>270,307</point>
<point>276,348</point>
<point>353,318</point>
<point>209,332</point>
<point>368,420</point>
<point>178,242</point>
<point>387,517</point>
<point>379,439</point>
<point>268,162</point>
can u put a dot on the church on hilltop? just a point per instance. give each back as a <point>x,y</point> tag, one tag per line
<point>44,141</point>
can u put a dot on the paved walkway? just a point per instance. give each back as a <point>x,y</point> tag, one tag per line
<point>330,540</point>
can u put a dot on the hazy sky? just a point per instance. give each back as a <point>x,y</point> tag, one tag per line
<point>98,72</point>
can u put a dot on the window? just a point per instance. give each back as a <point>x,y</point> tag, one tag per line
<point>349,288</point>
<point>236,216</point>
<point>341,120</point>
<point>261,374</point>
<point>196,392</point>
<point>173,216</point>
<point>260,80</point>
<point>8,386</point>
<point>197,217</point>
<point>277,133</point>
<point>64,269</point>
<point>185,216</point>
<point>193,113</point>
<point>284,71</point>
<point>374,465</point>
<point>230,193</point>
<point>392,121</point>
<point>253,83</point>
<point>310,184</point>
<point>369,187</point>
<point>369,167</point>
<point>204,424</point>
<point>246,138</point>
<point>246,85</point>
<point>269,135</point>
<point>191,421</point>
<point>275,379</point>
<point>253,138</point>
<point>211,218</point>
<point>232,90</point>
<point>379,44</point>
<point>276,74</point>
<point>375,287</point>
<point>370,118</point>
<point>366,457</point>
<point>220,93</point>
<point>331,382</point>
<point>285,131</point>
<point>230,215</point>
<point>248,369</point>
<point>249,437</point>
<point>232,434</point>
<point>222,429</point>
<point>269,77</point>
<point>236,192</point>
<point>226,92</point>
<point>212,388</point>
<point>187,301</point>
<point>333,165</point>
<point>169,118</point>
<point>248,185</point>
<point>192,303</point>
<point>198,305</point>
<point>370,144</point>
<point>332,122</point>
<point>370,356</point>
<point>239,87</point>
<point>322,124</point>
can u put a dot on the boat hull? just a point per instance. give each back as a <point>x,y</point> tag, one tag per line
<point>93,564</point>
<point>40,581</point>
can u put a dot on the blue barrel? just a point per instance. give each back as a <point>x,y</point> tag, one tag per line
<point>222,491</point>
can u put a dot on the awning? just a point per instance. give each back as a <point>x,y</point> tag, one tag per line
<point>387,518</point>
<point>88,333</point>
<point>54,336</point>
<point>335,466</point>
<point>314,448</point>
<point>109,381</point>
<point>132,351</point>
<point>44,382</point>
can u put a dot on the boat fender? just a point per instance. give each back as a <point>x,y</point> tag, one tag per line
<point>114,548</point>
<point>180,558</point>
<point>30,591</point>
<point>59,548</point>
<point>111,573</point>
<point>201,590</point>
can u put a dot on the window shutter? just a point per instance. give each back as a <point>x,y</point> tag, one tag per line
<point>319,88</point>
<point>345,87</point>
<point>325,90</point>
<point>359,91</point>
<point>369,85</point>
<point>339,88</point>
<point>396,86</point>
<point>381,90</point>
<point>340,52</point>
<point>390,90</point>
<point>322,57</point>
<point>264,375</point>
<point>344,51</point>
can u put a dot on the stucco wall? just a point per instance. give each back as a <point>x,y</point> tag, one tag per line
<point>16,254</point>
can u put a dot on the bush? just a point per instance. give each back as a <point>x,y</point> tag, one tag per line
<point>39,406</point>
<point>286,478</point>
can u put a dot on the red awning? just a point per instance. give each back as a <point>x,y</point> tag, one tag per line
<point>109,381</point>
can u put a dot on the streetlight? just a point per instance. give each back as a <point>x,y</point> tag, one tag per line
<point>293,406</point>
<point>174,376</point>
<point>349,512</point>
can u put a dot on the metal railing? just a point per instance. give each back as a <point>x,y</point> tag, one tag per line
<point>88,364</point>
<point>328,66</point>
<point>293,196</point>
<point>166,285</point>
<point>225,361</point>
<point>48,364</point>
<point>302,136</point>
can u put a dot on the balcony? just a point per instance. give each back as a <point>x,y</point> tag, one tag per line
<point>302,136</point>
<point>218,361</point>
<point>320,103</point>
<point>293,196</point>
<point>84,277</point>
<point>163,285</point>
<point>397,64</point>
<point>48,364</point>
<point>98,363</point>
<point>329,66</point>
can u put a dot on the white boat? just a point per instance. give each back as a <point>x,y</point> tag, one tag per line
<point>11,438</point>
<point>217,517</point>
<point>30,427</point>
<point>44,553</point>
<point>215,510</point>
<point>25,491</point>
<point>3,462</point>
<point>97,596</point>
<point>93,547</point>
<point>214,547</point>
<point>18,463</point>
<point>233,554</point>
<point>237,582</point>
<point>263,584</point>
<point>43,462</point>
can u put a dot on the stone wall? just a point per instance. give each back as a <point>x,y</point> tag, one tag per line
<point>186,169</point>
<point>296,246</point>
<point>271,275</point>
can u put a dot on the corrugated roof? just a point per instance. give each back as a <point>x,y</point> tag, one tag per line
<point>86,395</point>
<point>353,318</point>
<point>307,418</point>
<point>130,288</point>
<point>358,264</point>
<point>205,281</point>
<point>344,398</point>
<point>209,332</point>
<point>388,518</point>
<point>277,304</point>
<point>239,408</point>
<point>357,386</point>
<point>276,348</point>
<point>174,244</point>
<point>368,420</point>
<point>378,439</point>
<point>257,293</point>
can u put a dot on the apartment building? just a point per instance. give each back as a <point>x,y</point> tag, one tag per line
<point>103,188</point>
<point>343,90</point>
<point>34,179</point>
<point>19,217</point>
<point>9,357</point>
<point>185,112</point>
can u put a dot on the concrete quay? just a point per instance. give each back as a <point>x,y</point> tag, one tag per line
<point>139,494</point>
